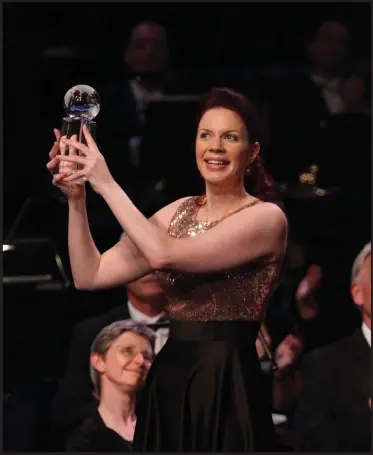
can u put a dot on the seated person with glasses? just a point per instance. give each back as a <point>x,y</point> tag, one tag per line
<point>121,356</point>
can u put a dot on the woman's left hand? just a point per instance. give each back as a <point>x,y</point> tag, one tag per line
<point>95,169</point>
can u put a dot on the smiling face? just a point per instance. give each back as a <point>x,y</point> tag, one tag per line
<point>126,363</point>
<point>223,150</point>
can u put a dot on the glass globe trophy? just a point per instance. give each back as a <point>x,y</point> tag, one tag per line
<point>82,104</point>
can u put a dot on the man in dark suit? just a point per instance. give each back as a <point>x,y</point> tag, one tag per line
<point>122,118</point>
<point>312,115</point>
<point>124,101</point>
<point>314,121</point>
<point>334,407</point>
<point>75,399</point>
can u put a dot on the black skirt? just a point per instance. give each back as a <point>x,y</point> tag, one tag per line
<point>205,392</point>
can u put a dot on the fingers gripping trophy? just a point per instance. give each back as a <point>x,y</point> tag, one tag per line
<point>75,157</point>
<point>82,105</point>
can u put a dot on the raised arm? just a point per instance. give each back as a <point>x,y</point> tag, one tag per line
<point>255,233</point>
<point>258,232</point>
<point>121,264</point>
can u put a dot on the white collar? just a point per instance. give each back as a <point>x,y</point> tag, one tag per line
<point>137,316</point>
<point>141,92</point>
<point>328,84</point>
<point>367,334</point>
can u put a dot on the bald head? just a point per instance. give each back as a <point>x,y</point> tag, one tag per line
<point>147,51</point>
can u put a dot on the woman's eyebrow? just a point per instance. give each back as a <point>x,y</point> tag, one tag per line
<point>222,132</point>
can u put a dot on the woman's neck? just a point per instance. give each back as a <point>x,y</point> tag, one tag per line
<point>116,408</point>
<point>220,201</point>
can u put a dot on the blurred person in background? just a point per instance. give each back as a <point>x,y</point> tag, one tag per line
<point>211,252</point>
<point>285,360</point>
<point>317,117</point>
<point>292,307</point>
<point>146,57</point>
<point>354,93</point>
<point>145,303</point>
<point>145,60</point>
<point>304,107</point>
<point>334,408</point>
<point>120,359</point>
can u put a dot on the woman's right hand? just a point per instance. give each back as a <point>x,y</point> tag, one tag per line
<point>70,190</point>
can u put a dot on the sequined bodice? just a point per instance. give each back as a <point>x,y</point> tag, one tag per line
<point>239,294</point>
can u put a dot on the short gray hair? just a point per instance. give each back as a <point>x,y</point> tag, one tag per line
<point>106,338</point>
<point>359,261</point>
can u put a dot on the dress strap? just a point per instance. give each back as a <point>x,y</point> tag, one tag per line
<point>250,204</point>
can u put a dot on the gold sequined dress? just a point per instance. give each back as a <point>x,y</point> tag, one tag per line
<point>205,391</point>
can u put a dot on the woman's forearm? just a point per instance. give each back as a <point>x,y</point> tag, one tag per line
<point>148,238</point>
<point>84,256</point>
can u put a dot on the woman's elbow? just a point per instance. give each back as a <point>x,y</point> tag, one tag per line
<point>160,258</point>
<point>159,262</point>
<point>84,286</point>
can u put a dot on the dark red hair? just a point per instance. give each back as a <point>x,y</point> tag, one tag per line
<point>259,183</point>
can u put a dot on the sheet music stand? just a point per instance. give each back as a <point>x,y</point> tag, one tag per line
<point>33,262</point>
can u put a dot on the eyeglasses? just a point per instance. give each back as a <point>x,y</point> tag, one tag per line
<point>132,352</point>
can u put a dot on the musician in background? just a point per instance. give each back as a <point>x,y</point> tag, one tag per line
<point>146,59</point>
<point>334,407</point>
<point>287,344</point>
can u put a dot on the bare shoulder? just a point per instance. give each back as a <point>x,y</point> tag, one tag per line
<point>266,224</point>
<point>272,213</point>
<point>163,217</point>
<point>267,214</point>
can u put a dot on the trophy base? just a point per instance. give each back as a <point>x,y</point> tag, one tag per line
<point>73,126</point>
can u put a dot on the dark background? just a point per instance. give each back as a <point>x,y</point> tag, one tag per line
<point>51,47</point>
<point>48,48</point>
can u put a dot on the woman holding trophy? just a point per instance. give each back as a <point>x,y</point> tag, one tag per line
<point>217,257</point>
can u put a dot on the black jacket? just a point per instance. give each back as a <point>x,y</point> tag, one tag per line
<point>74,400</point>
<point>94,436</point>
<point>333,414</point>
